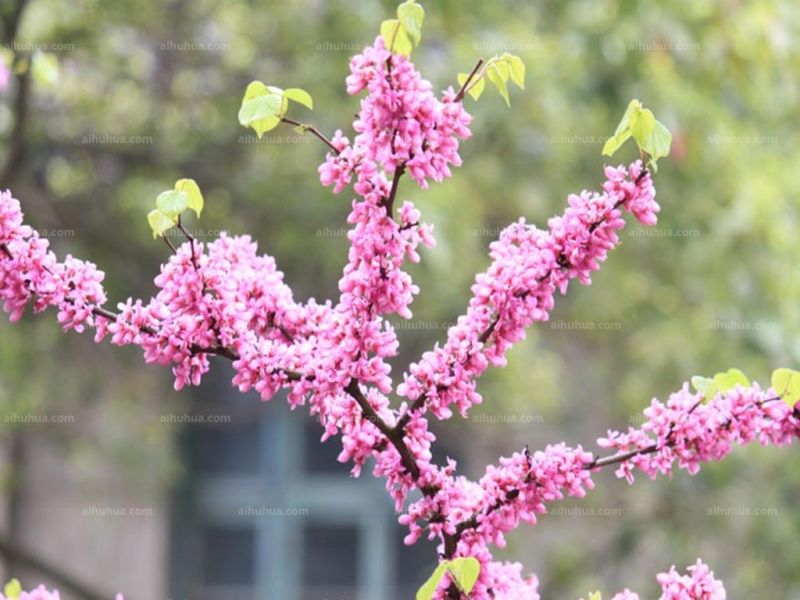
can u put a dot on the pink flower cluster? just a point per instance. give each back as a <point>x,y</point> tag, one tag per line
<point>689,429</point>
<point>30,271</point>
<point>402,125</point>
<point>700,585</point>
<point>42,593</point>
<point>5,73</point>
<point>517,289</point>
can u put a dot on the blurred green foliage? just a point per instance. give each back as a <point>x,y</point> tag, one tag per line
<point>714,286</point>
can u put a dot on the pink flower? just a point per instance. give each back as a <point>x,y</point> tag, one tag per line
<point>5,73</point>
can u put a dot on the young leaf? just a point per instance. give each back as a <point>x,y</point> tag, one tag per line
<point>172,203</point>
<point>12,589</point>
<point>595,596</point>
<point>641,124</point>
<point>476,88</point>
<point>516,68</point>
<point>613,144</point>
<point>395,36</point>
<point>786,383</point>
<point>727,381</point>
<point>44,68</point>
<point>706,386</point>
<point>429,587</point>
<point>192,191</point>
<point>299,96</point>
<point>633,106</point>
<point>411,16</point>
<point>660,141</point>
<point>159,222</point>
<point>464,571</point>
<point>495,76</point>
<point>261,113</point>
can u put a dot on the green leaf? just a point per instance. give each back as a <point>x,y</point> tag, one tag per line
<point>517,69</point>
<point>464,571</point>
<point>12,589</point>
<point>786,383</point>
<point>495,77</point>
<point>727,381</point>
<point>613,144</point>
<point>262,107</point>
<point>624,124</point>
<point>192,191</point>
<point>299,96</point>
<point>659,142</point>
<point>159,222</point>
<point>476,87</point>
<point>395,36</point>
<point>641,124</point>
<point>172,203</point>
<point>411,16</point>
<point>44,68</point>
<point>595,596</point>
<point>429,587</point>
<point>706,386</point>
<point>721,383</point>
<point>261,113</point>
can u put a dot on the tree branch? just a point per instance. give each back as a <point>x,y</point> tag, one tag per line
<point>460,95</point>
<point>314,131</point>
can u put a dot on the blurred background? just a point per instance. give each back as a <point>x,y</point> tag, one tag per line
<point>111,481</point>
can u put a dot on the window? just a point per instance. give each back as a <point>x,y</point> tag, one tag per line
<point>266,512</point>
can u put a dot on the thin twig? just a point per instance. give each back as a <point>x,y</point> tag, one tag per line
<point>314,131</point>
<point>460,95</point>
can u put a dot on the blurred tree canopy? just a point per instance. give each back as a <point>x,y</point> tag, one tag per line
<point>149,91</point>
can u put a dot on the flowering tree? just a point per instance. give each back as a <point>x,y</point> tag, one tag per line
<point>224,299</point>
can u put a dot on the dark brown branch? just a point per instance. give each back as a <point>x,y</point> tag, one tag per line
<point>6,251</point>
<point>389,202</point>
<point>460,95</point>
<point>170,244</point>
